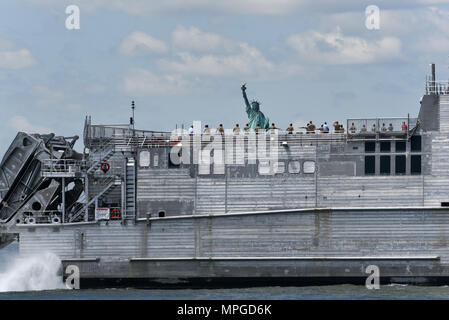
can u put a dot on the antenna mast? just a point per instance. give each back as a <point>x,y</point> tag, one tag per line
<point>132,118</point>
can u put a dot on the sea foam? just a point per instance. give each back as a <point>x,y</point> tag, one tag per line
<point>33,273</point>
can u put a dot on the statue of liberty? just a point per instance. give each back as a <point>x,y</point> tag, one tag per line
<point>255,116</point>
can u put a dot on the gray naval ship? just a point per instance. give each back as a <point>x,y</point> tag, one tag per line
<point>240,208</point>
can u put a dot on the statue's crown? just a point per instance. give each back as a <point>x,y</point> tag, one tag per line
<point>255,102</point>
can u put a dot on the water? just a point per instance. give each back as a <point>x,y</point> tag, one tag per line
<point>340,292</point>
<point>36,278</point>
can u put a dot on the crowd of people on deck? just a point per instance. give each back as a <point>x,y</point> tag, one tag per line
<point>310,128</point>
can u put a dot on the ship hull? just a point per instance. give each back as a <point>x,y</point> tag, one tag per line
<point>289,247</point>
<point>252,274</point>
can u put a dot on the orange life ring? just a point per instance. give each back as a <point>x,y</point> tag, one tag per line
<point>105,166</point>
<point>115,213</point>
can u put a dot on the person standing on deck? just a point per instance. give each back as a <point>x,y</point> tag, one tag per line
<point>273,128</point>
<point>353,128</point>
<point>220,129</point>
<point>404,126</point>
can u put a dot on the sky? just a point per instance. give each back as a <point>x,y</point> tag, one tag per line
<point>185,60</point>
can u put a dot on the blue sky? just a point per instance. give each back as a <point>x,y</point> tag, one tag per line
<point>186,60</point>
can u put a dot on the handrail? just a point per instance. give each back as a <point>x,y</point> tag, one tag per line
<point>63,165</point>
<point>380,125</point>
<point>437,87</point>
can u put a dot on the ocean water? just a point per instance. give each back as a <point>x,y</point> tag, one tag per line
<point>35,278</point>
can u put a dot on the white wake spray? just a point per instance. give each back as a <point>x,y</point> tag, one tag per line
<point>39,272</point>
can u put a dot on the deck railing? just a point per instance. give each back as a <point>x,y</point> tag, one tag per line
<point>380,125</point>
<point>119,137</point>
<point>437,87</point>
<point>63,166</point>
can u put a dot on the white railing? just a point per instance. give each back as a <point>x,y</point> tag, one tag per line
<point>380,125</point>
<point>63,166</point>
<point>437,87</point>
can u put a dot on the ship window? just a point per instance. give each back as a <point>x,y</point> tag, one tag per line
<point>156,160</point>
<point>370,164</point>
<point>415,143</point>
<point>399,165</point>
<point>144,158</point>
<point>161,213</point>
<point>385,165</point>
<point>385,146</point>
<point>400,146</point>
<point>294,167</point>
<point>309,166</point>
<point>415,165</point>
<point>370,146</point>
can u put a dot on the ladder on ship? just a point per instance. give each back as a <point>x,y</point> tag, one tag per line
<point>130,189</point>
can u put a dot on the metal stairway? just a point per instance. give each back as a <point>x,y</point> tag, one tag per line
<point>105,157</point>
<point>110,183</point>
<point>130,189</point>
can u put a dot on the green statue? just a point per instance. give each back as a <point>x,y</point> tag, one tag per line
<point>255,116</point>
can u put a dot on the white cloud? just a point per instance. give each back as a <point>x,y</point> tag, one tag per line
<point>21,123</point>
<point>16,59</point>
<point>436,41</point>
<point>143,82</point>
<point>246,60</point>
<point>194,39</point>
<point>336,48</point>
<point>140,42</point>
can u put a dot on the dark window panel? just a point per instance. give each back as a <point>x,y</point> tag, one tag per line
<point>370,146</point>
<point>400,146</point>
<point>415,143</point>
<point>415,165</point>
<point>400,165</point>
<point>385,165</point>
<point>385,146</point>
<point>370,165</point>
